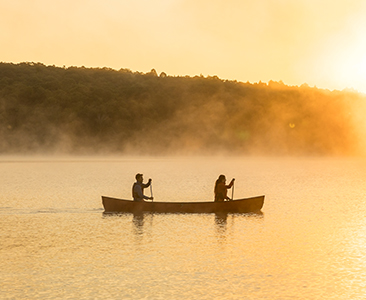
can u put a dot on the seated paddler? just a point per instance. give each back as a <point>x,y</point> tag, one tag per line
<point>138,188</point>
<point>221,188</point>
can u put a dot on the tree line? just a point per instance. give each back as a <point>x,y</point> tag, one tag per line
<point>48,109</point>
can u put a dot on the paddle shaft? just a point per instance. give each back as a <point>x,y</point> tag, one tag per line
<point>232,193</point>
<point>151,191</point>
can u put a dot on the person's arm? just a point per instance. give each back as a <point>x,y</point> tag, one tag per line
<point>145,185</point>
<point>146,197</point>
<point>231,183</point>
<point>229,186</point>
<point>140,194</point>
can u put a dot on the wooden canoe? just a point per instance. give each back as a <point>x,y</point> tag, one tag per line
<point>245,205</point>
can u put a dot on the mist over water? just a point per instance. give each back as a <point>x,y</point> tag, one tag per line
<point>49,110</point>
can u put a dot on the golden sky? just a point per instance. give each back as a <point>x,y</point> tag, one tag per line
<point>318,42</point>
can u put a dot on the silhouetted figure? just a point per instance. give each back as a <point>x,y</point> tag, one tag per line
<point>221,188</point>
<point>138,189</point>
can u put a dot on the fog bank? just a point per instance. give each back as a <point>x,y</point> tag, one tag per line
<point>45,109</point>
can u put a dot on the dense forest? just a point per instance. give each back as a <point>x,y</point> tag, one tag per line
<point>48,109</point>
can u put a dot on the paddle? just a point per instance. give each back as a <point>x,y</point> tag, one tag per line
<point>151,193</point>
<point>232,192</point>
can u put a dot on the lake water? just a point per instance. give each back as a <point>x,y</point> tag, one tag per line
<point>56,243</point>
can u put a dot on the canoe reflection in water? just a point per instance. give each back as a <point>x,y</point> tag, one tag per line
<point>221,218</point>
<point>145,219</point>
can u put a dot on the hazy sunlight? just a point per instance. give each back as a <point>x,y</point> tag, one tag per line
<point>320,43</point>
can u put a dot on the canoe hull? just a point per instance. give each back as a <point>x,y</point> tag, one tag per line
<point>246,205</point>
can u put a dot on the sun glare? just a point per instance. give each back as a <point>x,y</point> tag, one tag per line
<point>346,68</point>
<point>361,69</point>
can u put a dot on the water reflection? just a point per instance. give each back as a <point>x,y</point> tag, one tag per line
<point>258,214</point>
<point>221,226</point>
<point>111,214</point>
<point>221,219</point>
<point>138,222</point>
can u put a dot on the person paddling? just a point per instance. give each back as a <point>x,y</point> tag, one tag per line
<point>138,188</point>
<point>221,188</point>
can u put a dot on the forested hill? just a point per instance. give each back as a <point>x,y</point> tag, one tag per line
<point>47,109</point>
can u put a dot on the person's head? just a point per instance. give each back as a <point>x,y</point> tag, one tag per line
<point>222,178</point>
<point>139,177</point>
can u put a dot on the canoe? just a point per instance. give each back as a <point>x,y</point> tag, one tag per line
<point>245,205</point>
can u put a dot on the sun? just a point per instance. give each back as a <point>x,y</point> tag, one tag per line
<point>360,72</point>
<point>346,68</point>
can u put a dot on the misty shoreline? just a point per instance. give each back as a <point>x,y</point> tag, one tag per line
<point>46,110</point>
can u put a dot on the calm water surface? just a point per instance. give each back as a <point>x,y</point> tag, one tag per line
<point>56,243</point>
